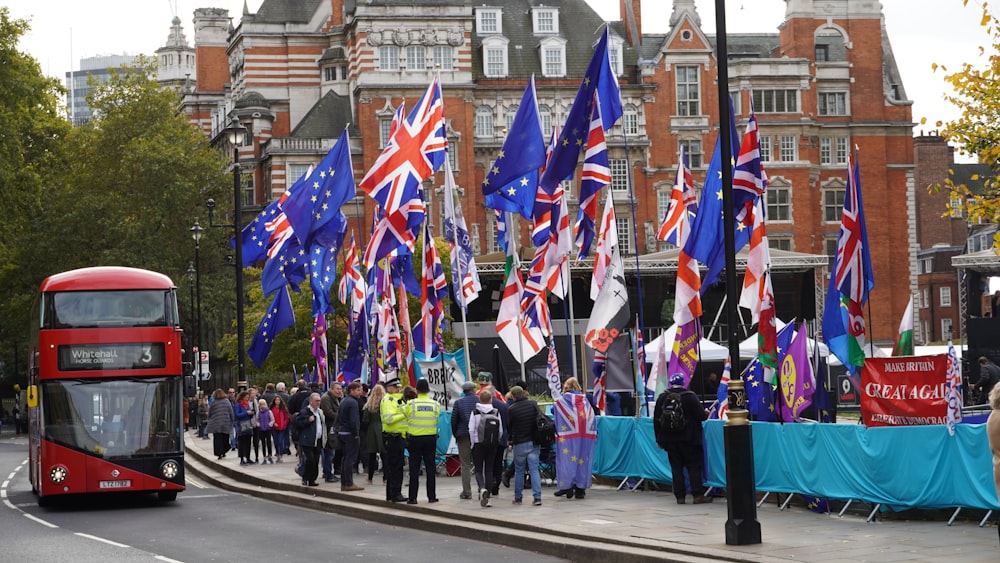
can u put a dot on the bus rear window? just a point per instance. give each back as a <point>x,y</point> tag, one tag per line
<point>99,309</point>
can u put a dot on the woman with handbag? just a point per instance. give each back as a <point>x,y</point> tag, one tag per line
<point>244,427</point>
<point>220,421</point>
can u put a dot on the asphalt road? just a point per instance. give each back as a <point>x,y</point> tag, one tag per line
<point>205,524</point>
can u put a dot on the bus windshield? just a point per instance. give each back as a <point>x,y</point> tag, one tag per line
<point>118,418</point>
<point>93,309</point>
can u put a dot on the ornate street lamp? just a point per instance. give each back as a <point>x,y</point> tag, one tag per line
<point>195,350</point>
<point>196,232</point>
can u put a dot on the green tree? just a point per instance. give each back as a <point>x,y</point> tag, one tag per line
<point>31,160</point>
<point>977,131</point>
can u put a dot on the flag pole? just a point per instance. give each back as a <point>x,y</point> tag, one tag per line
<point>571,320</point>
<point>516,263</point>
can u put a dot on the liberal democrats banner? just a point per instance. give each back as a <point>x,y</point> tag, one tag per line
<point>904,391</point>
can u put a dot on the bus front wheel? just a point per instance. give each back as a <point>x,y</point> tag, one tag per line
<point>167,496</point>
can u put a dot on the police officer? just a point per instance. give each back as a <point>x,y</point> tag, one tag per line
<point>422,419</point>
<point>394,429</point>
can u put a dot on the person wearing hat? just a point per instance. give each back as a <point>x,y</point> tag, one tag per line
<point>486,382</point>
<point>394,428</point>
<point>685,446</point>
<point>460,413</point>
<point>524,413</point>
<point>422,419</point>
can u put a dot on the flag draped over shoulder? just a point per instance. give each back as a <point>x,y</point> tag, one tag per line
<point>904,338</point>
<point>576,436</point>
<point>796,378</point>
<point>953,389</point>
<point>512,180</point>
<point>465,277</point>
<point>278,317</point>
<point>600,78</point>
<point>851,280</point>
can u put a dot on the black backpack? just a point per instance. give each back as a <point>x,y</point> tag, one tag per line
<point>293,425</point>
<point>545,431</point>
<point>489,428</point>
<point>672,418</point>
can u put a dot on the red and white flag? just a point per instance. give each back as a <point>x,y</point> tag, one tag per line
<point>522,340</point>
<point>606,240</point>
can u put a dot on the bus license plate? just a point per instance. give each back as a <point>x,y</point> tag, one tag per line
<point>120,484</point>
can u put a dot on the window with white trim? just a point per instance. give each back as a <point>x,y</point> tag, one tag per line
<point>491,226</point>
<point>484,121</point>
<point>630,119</point>
<point>692,150</point>
<point>545,20</point>
<point>623,225</point>
<point>388,57</point>
<point>766,149</point>
<point>945,296</point>
<point>780,243</point>
<point>776,101</point>
<point>553,57</point>
<point>384,126</point>
<point>833,204</point>
<point>688,90</point>
<point>619,174</point>
<point>443,57</point>
<point>511,114</point>
<point>832,103</point>
<point>946,327</point>
<point>788,149</point>
<point>545,114</point>
<point>488,20</point>
<point>495,57</point>
<point>926,293</point>
<point>779,202</point>
<point>830,246</point>
<point>474,233</point>
<point>416,57</point>
<point>453,155</point>
<point>294,171</point>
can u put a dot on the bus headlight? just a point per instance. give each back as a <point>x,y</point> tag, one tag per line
<point>58,474</point>
<point>170,469</point>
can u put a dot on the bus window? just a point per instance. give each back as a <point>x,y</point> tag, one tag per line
<point>94,309</point>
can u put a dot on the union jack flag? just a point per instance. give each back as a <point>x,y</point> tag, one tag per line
<point>500,220</point>
<point>546,210</point>
<point>414,152</point>
<point>749,178</point>
<point>853,275</point>
<point>596,175</point>
<point>406,335</point>
<point>429,329</point>
<point>575,417</point>
<point>352,285</point>
<point>534,307</point>
<point>464,275</point>
<point>676,220</point>
<point>395,231</point>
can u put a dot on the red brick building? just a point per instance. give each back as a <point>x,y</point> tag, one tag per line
<point>297,72</point>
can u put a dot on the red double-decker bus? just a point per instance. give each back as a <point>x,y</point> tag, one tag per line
<point>106,385</point>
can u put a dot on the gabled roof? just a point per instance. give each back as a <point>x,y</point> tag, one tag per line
<point>327,119</point>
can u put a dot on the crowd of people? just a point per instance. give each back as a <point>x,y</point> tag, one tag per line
<point>339,432</point>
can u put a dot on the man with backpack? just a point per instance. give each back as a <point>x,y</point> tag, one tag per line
<point>524,416</point>
<point>485,431</point>
<point>677,420</point>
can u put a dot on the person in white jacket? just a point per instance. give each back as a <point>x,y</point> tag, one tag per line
<point>485,429</point>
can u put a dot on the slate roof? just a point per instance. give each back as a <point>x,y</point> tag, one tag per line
<point>327,119</point>
<point>286,11</point>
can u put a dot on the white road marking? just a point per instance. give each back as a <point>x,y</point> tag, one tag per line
<point>96,538</point>
<point>39,520</point>
<point>167,559</point>
<point>191,481</point>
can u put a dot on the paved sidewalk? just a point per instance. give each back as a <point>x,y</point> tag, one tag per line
<point>629,526</point>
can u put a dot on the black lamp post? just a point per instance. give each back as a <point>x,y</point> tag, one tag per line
<point>236,134</point>
<point>195,349</point>
<point>742,527</point>
<point>196,232</point>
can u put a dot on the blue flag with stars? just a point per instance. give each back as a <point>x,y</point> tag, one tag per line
<point>278,317</point>
<point>287,267</point>
<point>512,181</point>
<point>760,391</point>
<point>573,137</point>
<point>318,200</point>
<point>322,264</point>
<point>255,235</point>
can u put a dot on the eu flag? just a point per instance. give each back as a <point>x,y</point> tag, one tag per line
<point>573,137</point>
<point>318,201</point>
<point>287,267</point>
<point>278,317</point>
<point>512,181</point>
<point>255,235</point>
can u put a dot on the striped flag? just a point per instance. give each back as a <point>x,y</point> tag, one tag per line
<point>465,277</point>
<point>600,371</point>
<point>904,338</point>
<point>596,175</point>
<point>552,372</point>
<point>523,340</point>
<point>676,220</point>
<point>434,287</point>
<point>749,178</point>
<point>722,395</point>
<point>607,241</point>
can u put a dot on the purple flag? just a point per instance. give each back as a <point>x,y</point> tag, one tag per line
<point>684,356</point>
<point>797,385</point>
<point>576,428</point>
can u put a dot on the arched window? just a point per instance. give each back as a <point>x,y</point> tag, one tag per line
<point>484,121</point>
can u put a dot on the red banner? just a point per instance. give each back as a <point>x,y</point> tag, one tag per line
<point>904,391</point>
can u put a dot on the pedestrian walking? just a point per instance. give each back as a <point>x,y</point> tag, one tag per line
<point>677,419</point>
<point>349,430</point>
<point>220,422</point>
<point>484,433</point>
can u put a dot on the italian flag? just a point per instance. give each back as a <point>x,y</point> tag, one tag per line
<point>904,340</point>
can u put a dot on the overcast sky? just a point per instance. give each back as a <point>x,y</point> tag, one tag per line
<point>921,32</point>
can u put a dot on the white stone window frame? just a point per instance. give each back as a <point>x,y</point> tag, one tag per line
<point>415,57</point>
<point>499,46</point>
<point>443,57</point>
<point>388,58</point>
<point>542,16</point>
<point>776,186</point>
<point>833,185</point>
<point>552,51</point>
<point>489,21</point>
<point>480,125</point>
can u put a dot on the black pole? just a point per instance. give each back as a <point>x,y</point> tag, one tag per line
<point>191,340</point>
<point>742,527</point>
<point>197,283</point>
<point>238,238</point>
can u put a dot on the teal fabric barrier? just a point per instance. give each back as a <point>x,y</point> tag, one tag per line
<point>906,467</point>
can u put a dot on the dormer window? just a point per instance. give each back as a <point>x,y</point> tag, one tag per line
<point>615,54</point>
<point>495,57</point>
<point>545,20</point>
<point>553,55</point>
<point>488,20</point>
